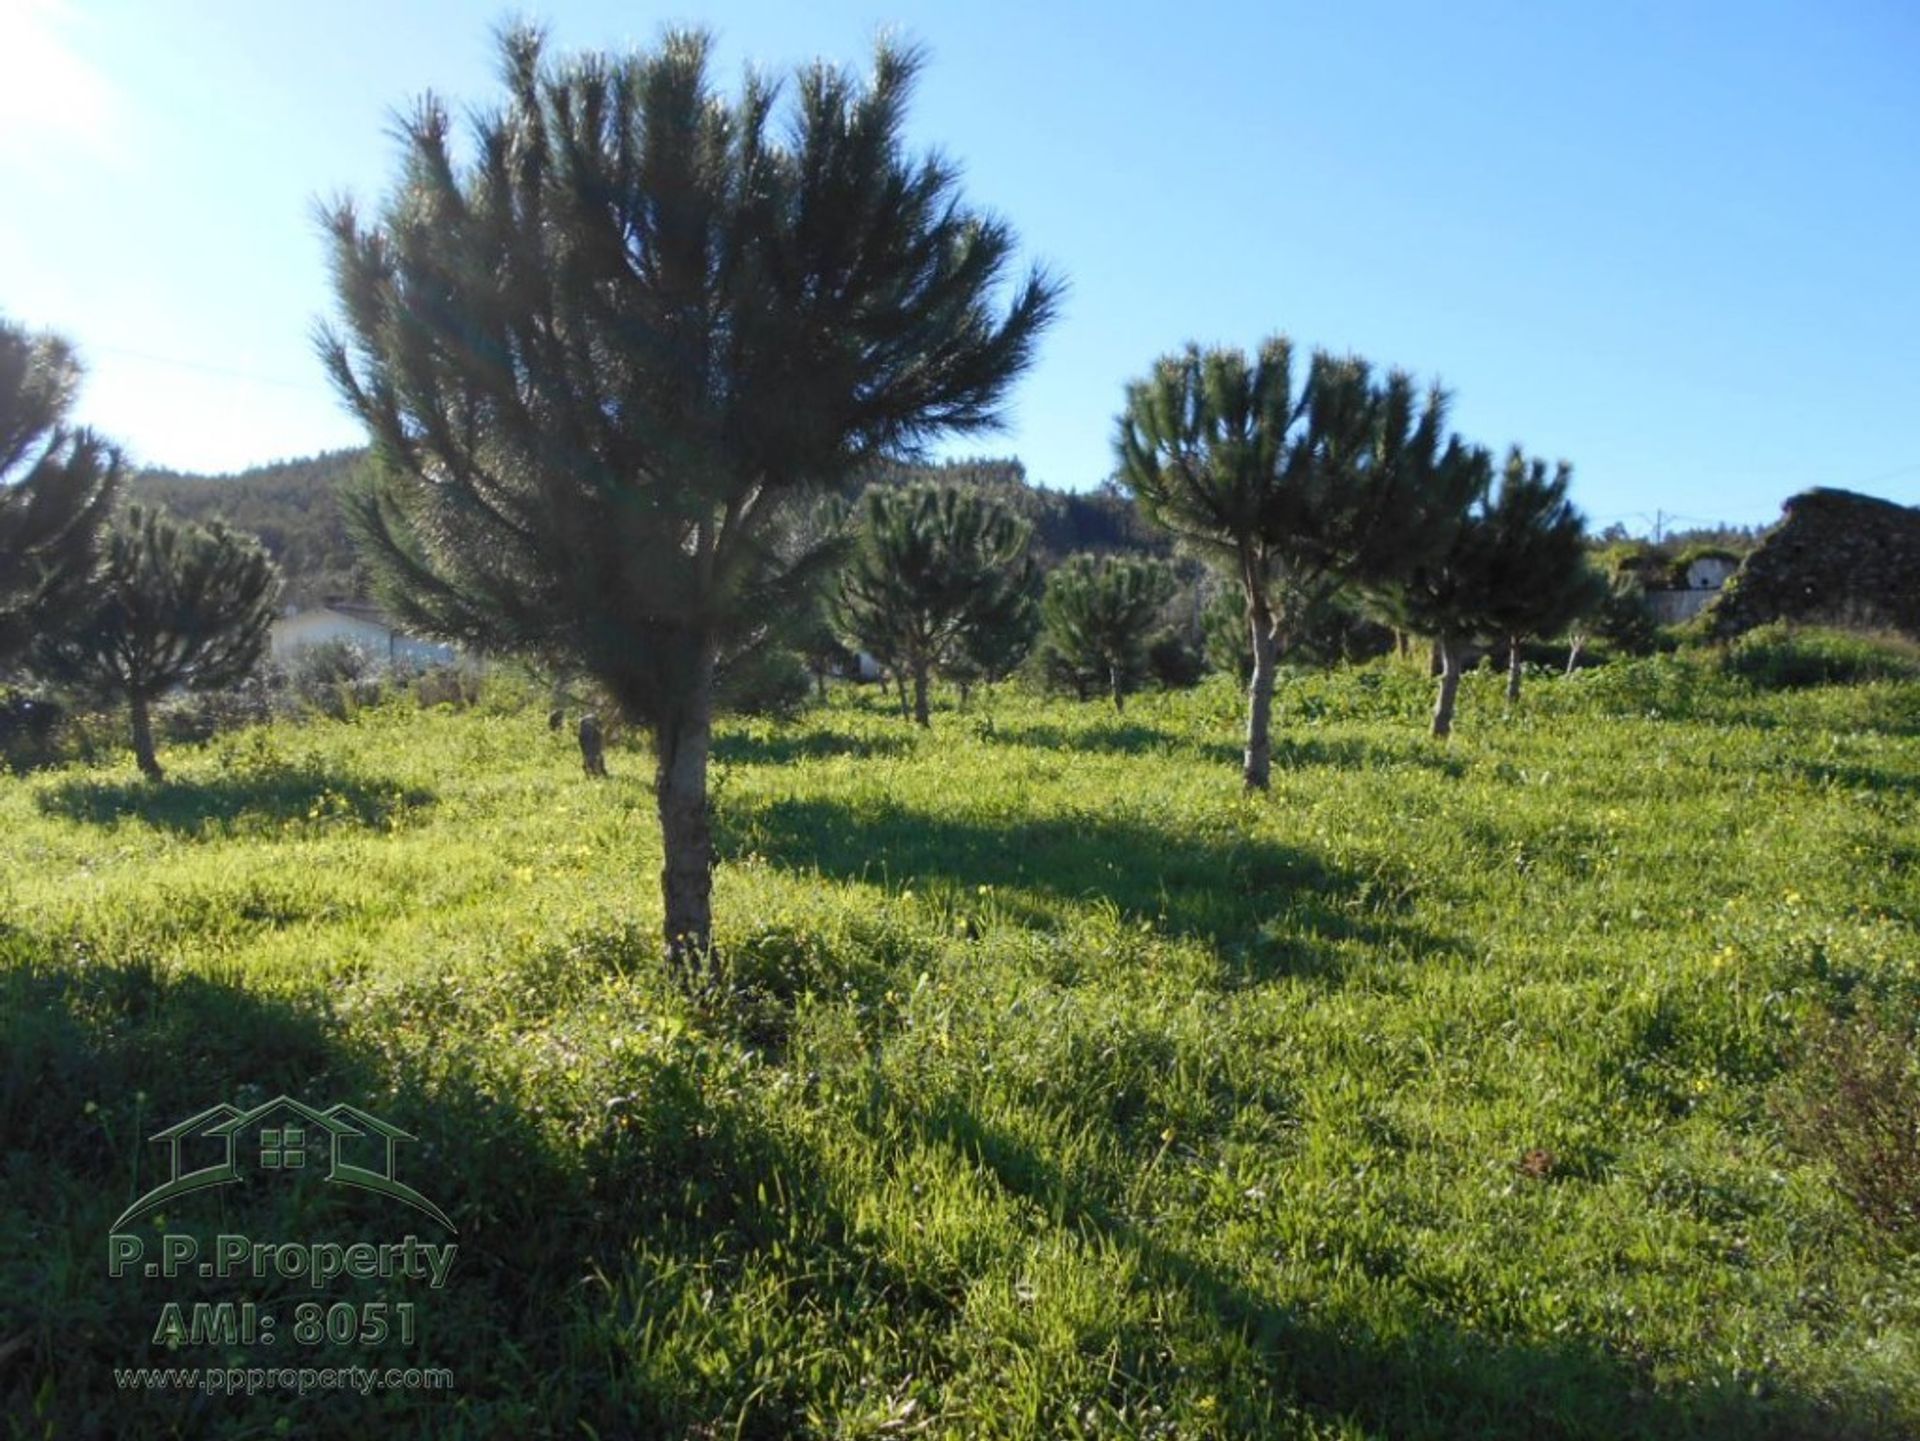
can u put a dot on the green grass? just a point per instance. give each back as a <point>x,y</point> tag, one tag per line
<point>1067,1092</point>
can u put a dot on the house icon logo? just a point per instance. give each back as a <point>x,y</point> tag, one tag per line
<point>223,1144</point>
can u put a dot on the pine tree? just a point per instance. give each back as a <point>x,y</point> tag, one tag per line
<point>933,566</point>
<point>597,364</point>
<point>57,485</point>
<point>1448,595</point>
<point>1330,484</point>
<point>178,605</point>
<point>994,647</point>
<point>1540,583</point>
<point>1099,614</point>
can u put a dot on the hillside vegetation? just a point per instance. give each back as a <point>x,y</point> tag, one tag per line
<point>289,505</point>
<point>1066,1091</point>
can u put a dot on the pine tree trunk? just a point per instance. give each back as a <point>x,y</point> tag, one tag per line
<point>1119,694</point>
<point>1513,670</point>
<point>1449,688</point>
<point>820,683</point>
<point>143,740</point>
<point>920,716</point>
<point>680,791</point>
<point>1260,700</point>
<point>900,689</point>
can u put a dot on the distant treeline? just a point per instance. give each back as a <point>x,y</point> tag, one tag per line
<point>290,506</point>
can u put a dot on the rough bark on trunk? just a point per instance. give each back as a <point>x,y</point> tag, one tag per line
<point>1449,689</point>
<point>1260,699</point>
<point>920,716</point>
<point>1119,692</point>
<point>1513,670</point>
<point>680,791</point>
<point>143,740</point>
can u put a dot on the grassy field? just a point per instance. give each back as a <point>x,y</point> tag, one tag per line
<point>1067,1092</point>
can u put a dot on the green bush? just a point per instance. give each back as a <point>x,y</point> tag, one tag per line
<point>1787,657</point>
<point>765,683</point>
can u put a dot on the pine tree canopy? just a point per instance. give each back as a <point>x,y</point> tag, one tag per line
<point>1447,592</point>
<point>1099,613</point>
<point>595,360</point>
<point>176,604</point>
<point>1515,564</point>
<point>1539,582</point>
<point>179,605</point>
<point>931,567</point>
<point>1323,483</point>
<point>57,485</point>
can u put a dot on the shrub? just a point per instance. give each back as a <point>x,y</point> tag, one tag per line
<point>1788,657</point>
<point>1174,664</point>
<point>1858,1110</point>
<point>193,716</point>
<point>457,686</point>
<point>28,725</point>
<point>769,682</point>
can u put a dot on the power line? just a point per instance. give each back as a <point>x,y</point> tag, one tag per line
<point>178,363</point>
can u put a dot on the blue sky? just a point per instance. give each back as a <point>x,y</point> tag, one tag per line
<point>1676,244</point>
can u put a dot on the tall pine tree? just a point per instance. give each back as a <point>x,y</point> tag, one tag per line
<point>596,364</point>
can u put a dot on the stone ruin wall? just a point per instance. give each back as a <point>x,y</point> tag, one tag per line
<point>1834,558</point>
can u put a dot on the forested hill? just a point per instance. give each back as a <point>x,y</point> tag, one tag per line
<point>289,505</point>
<point>1064,521</point>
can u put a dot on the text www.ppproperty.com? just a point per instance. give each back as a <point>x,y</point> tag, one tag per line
<point>250,1380</point>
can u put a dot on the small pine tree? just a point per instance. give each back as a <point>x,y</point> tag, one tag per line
<point>1539,583</point>
<point>178,605</point>
<point>931,567</point>
<point>57,485</point>
<point>1446,595</point>
<point>1099,614</point>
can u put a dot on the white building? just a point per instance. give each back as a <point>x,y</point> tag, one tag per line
<point>360,625</point>
<point>1706,574</point>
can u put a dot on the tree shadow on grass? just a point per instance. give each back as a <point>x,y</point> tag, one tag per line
<point>1289,753</point>
<point>1852,776</point>
<point>1429,1378</point>
<point>1268,907</point>
<point>1112,736</point>
<point>784,747</point>
<point>221,804</point>
<point>97,1056</point>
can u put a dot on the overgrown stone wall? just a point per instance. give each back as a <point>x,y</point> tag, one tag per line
<point>1834,558</point>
